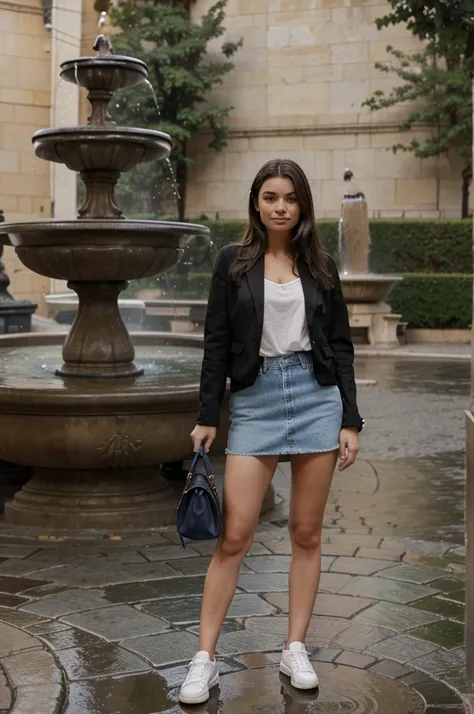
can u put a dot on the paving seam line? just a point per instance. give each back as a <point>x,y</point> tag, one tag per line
<point>24,695</point>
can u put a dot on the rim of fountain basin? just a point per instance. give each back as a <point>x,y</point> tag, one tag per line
<point>371,277</point>
<point>100,129</point>
<point>155,145</point>
<point>105,231</point>
<point>130,394</point>
<point>97,60</point>
<point>105,58</point>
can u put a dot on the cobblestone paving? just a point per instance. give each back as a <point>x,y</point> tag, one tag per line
<point>90,625</point>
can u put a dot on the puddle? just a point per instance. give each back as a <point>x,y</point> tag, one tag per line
<point>115,695</point>
<point>343,690</point>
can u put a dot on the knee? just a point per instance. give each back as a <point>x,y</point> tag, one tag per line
<point>234,544</point>
<point>305,536</point>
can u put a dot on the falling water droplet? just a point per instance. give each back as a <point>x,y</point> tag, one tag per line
<point>149,84</point>
<point>171,177</point>
<point>102,19</point>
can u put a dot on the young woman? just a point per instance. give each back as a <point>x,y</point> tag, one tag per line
<point>277,324</point>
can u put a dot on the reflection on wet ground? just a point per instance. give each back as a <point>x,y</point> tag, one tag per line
<point>416,375</point>
<point>416,408</point>
<point>148,691</point>
<point>415,426</point>
<point>417,498</point>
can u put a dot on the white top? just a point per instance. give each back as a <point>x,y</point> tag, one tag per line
<point>285,329</point>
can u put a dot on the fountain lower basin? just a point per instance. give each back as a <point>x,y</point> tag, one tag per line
<point>99,250</point>
<point>96,445</point>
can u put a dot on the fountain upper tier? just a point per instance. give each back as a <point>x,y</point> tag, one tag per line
<point>99,150</point>
<point>102,75</point>
<point>105,72</point>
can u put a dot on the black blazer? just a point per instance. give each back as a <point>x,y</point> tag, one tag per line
<point>233,332</point>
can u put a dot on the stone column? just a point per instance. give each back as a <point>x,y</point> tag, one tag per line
<point>65,43</point>
<point>470,522</point>
<point>354,234</point>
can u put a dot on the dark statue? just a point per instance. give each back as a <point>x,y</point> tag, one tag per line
<point>4,279</point>
<point>15,315</point>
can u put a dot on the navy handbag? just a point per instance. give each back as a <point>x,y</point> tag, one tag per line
<point>199,512</point>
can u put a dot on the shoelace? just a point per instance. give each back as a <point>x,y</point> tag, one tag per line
<point>197,672</point>
<point>301,660</point>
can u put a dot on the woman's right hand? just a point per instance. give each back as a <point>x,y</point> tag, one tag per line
<point>203,435</point>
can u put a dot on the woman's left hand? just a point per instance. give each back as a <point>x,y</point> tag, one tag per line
<point>348,447</point>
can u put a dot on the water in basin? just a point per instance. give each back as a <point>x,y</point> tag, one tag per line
<point>164,365</point>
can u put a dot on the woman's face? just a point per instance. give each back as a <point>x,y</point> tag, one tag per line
<point>279,210</point>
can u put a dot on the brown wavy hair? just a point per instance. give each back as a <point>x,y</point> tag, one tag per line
<point>305,242</point>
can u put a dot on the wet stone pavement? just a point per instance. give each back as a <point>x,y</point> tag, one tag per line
<point>91,625</point>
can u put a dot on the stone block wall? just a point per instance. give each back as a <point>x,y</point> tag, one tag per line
<point>299,82</point>
<point>25,87</point>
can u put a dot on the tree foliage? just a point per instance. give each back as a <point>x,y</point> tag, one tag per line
<point>182,72</point>
<point>437,80</point>
<point>446,25</point>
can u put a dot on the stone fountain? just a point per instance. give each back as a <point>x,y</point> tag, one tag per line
<point>96,427</point>
<point>364,291</point>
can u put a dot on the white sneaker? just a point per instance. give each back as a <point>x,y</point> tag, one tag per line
<point>202,676</point>
<point>295,664</point>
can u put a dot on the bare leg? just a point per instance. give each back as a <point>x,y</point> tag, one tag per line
<point>247,479</point>
<point>310,483</point>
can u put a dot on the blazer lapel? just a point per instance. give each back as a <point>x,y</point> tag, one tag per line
<point>255,278</point>
<point>313,295</point>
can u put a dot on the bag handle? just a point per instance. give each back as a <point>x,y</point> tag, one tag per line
<point>201,454</point>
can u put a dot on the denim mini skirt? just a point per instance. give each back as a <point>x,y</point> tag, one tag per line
<point>286,411</point>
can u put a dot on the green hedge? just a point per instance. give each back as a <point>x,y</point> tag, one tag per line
<point>396,246</point>
<point>433,301</point>
<point>421,246</point>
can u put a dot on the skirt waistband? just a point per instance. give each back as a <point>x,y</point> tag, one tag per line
<point>302,358</point>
